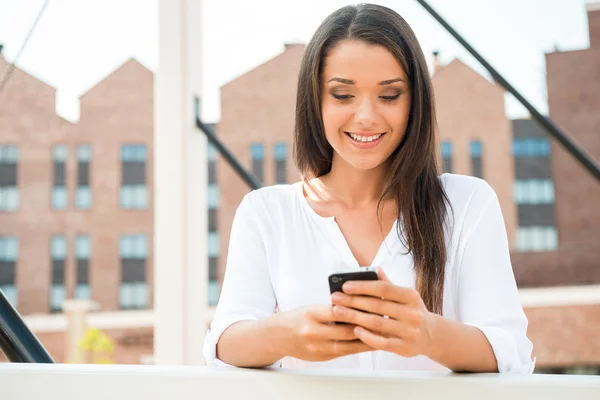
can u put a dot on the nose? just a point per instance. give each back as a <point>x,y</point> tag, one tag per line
<point>366,114</point>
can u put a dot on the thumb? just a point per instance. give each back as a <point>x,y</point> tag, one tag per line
<point>383,276</point>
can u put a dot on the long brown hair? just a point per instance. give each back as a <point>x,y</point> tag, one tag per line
<point>413,176</point>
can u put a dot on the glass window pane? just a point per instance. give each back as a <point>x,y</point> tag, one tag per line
<point>125,250</point>
<point>10,292</point>
<point>59,153</point>
<point>476,148</point>
<point>84,152</point>
<point>446,149</point>
<point>213,153</point>
<point>59,197</point>
<point>141,197</point>
<point>516,147</point>
<point>83,197</point>
<point>213,196</point>
<point>58,247</point>
<point>83,247</point>
<point>125,197</point>
<point>57,297</point>
<point>213,292</point>
<point>257,151</point>
<point>125,295</point>
<point>213,244</point>
<point>11,249</point>
<point>281,150</point>
<point>133,152</point>
<point>9,154</point>
<point>82,291</point>
<point>141,295</point>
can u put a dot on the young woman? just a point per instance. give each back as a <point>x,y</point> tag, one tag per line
<point>371,196</point>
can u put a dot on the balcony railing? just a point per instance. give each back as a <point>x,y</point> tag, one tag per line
<point>64,381</point>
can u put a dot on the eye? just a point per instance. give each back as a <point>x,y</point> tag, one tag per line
<point>342,96</point>
<point>389,98</point>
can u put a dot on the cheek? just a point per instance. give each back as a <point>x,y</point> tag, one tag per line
<point>334,118</point>
<point>397,117</point>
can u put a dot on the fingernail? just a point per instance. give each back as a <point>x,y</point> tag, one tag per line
<point>337,296</point>
<point>337,310</point>
<point>358,330</point>
<point>347,286</point>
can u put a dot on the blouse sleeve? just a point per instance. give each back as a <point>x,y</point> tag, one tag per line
<point>487,292</point>
<point>247,293</point>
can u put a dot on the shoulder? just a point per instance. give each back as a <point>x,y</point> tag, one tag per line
<point>272,196</point>
<point>471,200</point>
<point>467,192</point>
<point>270,201</point>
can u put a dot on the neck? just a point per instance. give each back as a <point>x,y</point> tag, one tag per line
<point>354,186</point>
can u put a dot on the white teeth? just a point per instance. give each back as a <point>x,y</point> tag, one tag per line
<point>364,138</point>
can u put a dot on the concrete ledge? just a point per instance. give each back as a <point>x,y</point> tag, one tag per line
<point>62,381</point>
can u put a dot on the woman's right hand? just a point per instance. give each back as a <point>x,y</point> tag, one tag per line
<point>312,335</point>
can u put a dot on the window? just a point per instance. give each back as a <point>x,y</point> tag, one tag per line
<point>476,155</point>
<point>213,196</point>
<point>9,253</point>
<point>537,238</point>
<point>212,164</point>
<point>83,194</point>
<point>534,191</point>
<point>213,244</point>
<point>213,292</point>
<point>83,252</point>
<point>281,150</point>
<point>531,147</point>
<point>258,155</point>
<point>213,204</point>
<point>134,192</point>
<point>212,220</point>
<point>133,293</point>
<point>59,186</point>
<point>58,254</point>
<point>447,156</point>
<point>9,191</point>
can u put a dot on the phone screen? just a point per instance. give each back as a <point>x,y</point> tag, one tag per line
<point>336,281</point>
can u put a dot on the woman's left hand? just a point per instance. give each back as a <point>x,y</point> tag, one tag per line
<point>387,317</point>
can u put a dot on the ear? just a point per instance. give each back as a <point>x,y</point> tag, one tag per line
<point>383,276</point>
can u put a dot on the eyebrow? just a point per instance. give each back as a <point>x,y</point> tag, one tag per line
<point>351,82</point>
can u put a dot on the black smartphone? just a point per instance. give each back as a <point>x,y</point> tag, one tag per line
<point>336,281</point>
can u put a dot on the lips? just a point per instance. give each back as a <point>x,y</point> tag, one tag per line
<point>365,140</point>
<point>365,137</point>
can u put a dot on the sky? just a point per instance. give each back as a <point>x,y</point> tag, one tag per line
<point>77,43</point>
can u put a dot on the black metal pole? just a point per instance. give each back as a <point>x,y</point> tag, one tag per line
<point>247,176</point>
<point>17,341</point>
<point>547,123</point>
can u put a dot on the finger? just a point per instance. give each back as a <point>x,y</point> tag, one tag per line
<point>340,349</point>
<point>383,276</point>
<point>374,305</point>
<point>382,289</point>
<point>379,342</point>
<point>374,322</point>
<point>321,313</point>
<point>370,304</point>
<point>341,332</point>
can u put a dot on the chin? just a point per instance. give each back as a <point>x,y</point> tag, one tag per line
<point>365,164</point>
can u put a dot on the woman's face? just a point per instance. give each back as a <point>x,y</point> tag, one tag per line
<point>365,103</point>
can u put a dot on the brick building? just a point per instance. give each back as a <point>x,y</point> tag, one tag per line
<point>94,179</point>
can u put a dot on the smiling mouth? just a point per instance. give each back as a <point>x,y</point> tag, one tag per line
<point>364,138</point>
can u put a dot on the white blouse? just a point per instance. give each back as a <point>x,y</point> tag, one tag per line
<point>281,253</point>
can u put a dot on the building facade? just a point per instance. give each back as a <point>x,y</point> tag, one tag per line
<point>76,199</point>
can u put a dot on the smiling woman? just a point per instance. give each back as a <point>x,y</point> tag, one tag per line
<point>372,195</point>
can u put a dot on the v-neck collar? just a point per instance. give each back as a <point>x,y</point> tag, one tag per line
<point>389,243</point>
